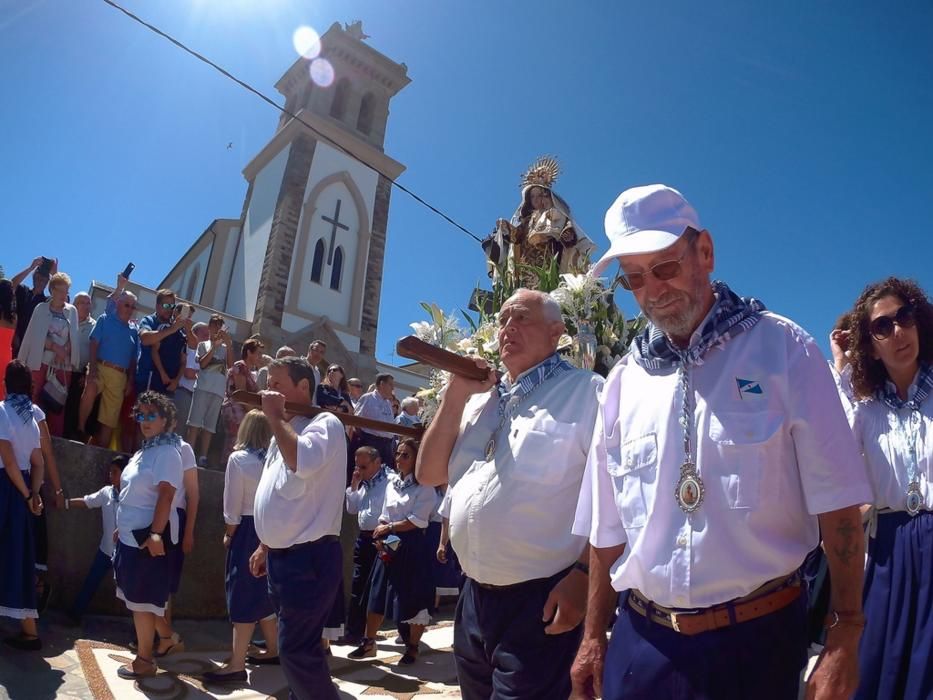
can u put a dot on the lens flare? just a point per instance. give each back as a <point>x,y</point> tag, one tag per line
<point>307,42</point>
<point>322,72</point>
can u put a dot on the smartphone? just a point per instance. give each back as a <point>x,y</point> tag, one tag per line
<point>128,270</point>
<point>45,267</point>
<point>187,311</point>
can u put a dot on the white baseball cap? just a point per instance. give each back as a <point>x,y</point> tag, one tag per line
<point>644,220</point>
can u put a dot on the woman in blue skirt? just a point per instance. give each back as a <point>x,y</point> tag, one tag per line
<point>890,348</point>
<point>401,585</point>
<point>247,596</point>
<point>147,487</point>
<point>20,481</point>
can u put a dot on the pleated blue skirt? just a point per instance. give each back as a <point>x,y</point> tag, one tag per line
<point>175,554</point>
<point>247,596</point>
<point>897,645</point>
<point>447,576</point>
<point>142,580</point>
<point>17,553</point>
<point>403,587</point>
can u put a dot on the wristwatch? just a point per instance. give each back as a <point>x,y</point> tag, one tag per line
<point>155,537</point>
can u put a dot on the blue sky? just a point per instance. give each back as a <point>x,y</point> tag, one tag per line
<point>799,130</point>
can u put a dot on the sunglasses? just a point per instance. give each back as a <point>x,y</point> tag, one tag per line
<point>882,327</point>
<point>406,455</point>
<point>334,369</point>
<point>167,305</point>
<point>663,271</point>
<point>146,417</point>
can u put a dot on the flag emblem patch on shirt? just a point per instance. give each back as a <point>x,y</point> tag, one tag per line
<point>748,386</point>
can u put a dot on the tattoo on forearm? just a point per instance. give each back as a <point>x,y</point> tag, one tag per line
<point>847,547</point>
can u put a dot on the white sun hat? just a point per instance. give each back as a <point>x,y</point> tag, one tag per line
<point>644,220</point>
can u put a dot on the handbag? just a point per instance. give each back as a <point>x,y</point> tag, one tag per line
<point>54,394</point>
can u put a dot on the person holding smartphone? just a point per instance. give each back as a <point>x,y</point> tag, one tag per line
<point>215,358</point>
<point>28,298</point>
<point>163,336</point>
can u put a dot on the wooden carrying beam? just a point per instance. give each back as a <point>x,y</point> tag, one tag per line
<point>255,400</point>
<point>415,349</point>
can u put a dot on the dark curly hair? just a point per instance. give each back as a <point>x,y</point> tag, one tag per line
<point>163,405</point>
<point>868,372</point>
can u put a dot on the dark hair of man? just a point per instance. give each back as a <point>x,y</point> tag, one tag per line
<point>298,368</point>
<point>371,453</point>
<point>164,294</point>
<point>162,404</point>
<point>120,462</point>
<point>383,378</point>
<point>249,346</point>
<point>18,379</point>
<point>869,373</point>
<point>7,301</point>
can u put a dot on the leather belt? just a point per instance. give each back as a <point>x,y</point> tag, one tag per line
<point>111,365</point>
<point>771,597</point>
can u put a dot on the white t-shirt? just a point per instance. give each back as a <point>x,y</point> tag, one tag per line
<point>139,489</point>
<point>190,363</point>
<point>106,500</point>
<point>771,445</point>
<point>293,507</point>
<point>213,377</point>
<point>22,435</point>
<point>188,461</point>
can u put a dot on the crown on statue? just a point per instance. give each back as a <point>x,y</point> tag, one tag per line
<point>543,172</point>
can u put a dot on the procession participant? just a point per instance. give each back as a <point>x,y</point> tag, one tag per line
<point>20,503</point>
<point>376,404</point>
<point>247,596</point>
<point>147,486</point>
<point>365,497</point>
<point>401,585</point>
<point>890,351</point>
<point>514,458</point>
<point>297,514</point>
<point>721,451</point>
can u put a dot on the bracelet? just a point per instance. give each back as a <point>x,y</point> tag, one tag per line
<point>27,497</point>
<point>580,566</point>
<point>392,527</point>
<point>60,492</point>
<point>836,618</point>
<point>67,504</point>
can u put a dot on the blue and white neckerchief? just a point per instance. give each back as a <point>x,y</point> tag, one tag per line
<point>731,315</point>
<point>405,483</point>
<point>908,429</point>
<point>258,452</point>
<point>510,395</point>
<point>376,478</point>
<point>653,350</point>
<point>161,439</point>
<point>22,404</point>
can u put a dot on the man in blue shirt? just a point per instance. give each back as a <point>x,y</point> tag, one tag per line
<point>113,353</point>
<point>163,347</point>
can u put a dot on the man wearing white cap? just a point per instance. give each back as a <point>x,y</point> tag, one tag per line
<point>720,453</point>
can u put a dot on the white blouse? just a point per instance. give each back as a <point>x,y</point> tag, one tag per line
<point>240,483</point>
<point>407,500</point>
<point>139,489</point>
<point>23,436</point>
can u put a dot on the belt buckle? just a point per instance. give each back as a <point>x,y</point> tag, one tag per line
<point>674,622</point>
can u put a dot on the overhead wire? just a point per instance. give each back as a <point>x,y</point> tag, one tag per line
<point>270,101</point>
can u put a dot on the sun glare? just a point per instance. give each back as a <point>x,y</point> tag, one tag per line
<point>322,72</point>
<point>307,42</point>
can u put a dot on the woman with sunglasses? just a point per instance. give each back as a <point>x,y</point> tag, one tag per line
<point>890,348</point>
<point>401,585</point>
<point>147,487</point>
<point>333,391</point>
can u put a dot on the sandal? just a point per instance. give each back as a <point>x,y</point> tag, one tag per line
<point>177,646</point>
<point>410,657</point>
<point>365,650</point>
<point>24,642</point>
<point>128,672</point>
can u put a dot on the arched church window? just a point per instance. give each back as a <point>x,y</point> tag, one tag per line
<point>317,263</point>
<point>364,122</point>
<point>337,270</point>
<point>193,281</point>
<point>338,108</point>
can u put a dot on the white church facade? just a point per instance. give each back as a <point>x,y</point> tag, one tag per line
<point>305,258</point>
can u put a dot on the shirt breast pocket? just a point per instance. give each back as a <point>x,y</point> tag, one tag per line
<point>541,452</point>
<point>633,467</point>
<point>742,442</point>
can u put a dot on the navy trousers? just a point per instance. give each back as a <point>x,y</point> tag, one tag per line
<point>100,568</point>
<point>364,555</point>
<point>500,647</point>
<point>760,659</point>
<point>303,581</point>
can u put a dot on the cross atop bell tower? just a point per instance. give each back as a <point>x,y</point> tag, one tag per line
<point>313,229</point>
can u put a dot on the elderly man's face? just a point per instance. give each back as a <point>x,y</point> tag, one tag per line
<point>367,466</point>
<point>356,389</point>
<point>526,336</point>
<point>677,305</point>
<point>83,305</point>
<point>126,305</point>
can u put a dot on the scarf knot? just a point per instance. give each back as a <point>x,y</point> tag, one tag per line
<point>924,387</point>
<point>161,439</point>
<point>22,404</point>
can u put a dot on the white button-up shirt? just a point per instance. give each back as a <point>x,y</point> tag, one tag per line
<point>23,436</point>
<point>883,436</point>
<point>772,449</point>
<point>293,507</point>
<point>372,405</point>
<point>106,500</point>
<point>510,517</point>
<point>241,480</point>
<point>188,461</point>
<point>366,501</point>
<point>407,500</point>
